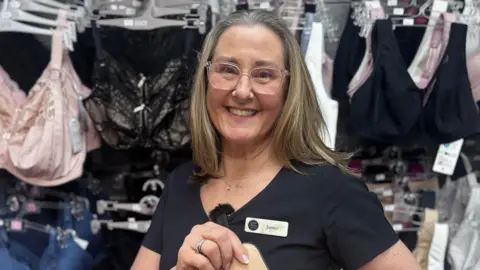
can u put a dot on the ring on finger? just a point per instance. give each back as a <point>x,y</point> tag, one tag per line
<point>198,247</point>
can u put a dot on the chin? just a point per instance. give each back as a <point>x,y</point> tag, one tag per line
<point>240,137</point>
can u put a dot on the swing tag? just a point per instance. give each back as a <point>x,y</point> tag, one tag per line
<point>447,157</point>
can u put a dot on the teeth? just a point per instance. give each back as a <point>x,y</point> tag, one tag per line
<point>241,112</point>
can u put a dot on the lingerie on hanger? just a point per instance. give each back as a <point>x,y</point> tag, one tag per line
<point>450,112</point>
<point>349,55</point>
<point>388,104</point>
<point>132,109</point>
<point>51,132</point>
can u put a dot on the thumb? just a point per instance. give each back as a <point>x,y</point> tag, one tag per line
<point>239,251</point>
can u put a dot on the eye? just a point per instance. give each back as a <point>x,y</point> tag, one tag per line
<point>226,69</point>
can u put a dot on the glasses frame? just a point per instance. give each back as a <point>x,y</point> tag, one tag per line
<point>284,72</point>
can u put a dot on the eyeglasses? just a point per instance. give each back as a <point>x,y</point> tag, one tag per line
<point>263,80</point>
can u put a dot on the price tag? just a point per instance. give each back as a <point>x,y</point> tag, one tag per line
<point>392,3</point>
<point>397,227</point>
<point>440,6</point>
<point>16,225</point>
<point>447,157</point>
<point>82,243</point>
<point>398,11</point>
<point>380,177</point>
<point>387,192</point>
<point>408,21</point>
<point>389,207</point>
<point>265,5</point>
<point>75,135</point>
<point>72,30</point>
<point>128,22</point>
<point>373,4</point>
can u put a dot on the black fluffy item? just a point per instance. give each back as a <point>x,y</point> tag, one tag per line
<point>219,214</point>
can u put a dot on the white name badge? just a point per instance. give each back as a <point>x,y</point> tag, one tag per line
<point>266,227</point>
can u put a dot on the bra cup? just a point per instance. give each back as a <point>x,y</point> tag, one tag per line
<point>144,111</point>
<point>378,110</point>
<point>473,68</point>
<point>450,113</point>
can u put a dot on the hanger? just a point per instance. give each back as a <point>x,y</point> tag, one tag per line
<point>131,225</point>
<point>149,20</point>
<point>53,3</point>
<point>22,225</point>
<point>12,11</point>
<point>146,206</point>
<point>27,5</point>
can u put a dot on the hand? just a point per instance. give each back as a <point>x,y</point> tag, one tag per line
<point>220,246</point>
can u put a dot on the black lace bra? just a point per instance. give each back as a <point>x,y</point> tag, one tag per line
<point>130,109</point>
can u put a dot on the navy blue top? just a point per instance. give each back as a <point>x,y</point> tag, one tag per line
<point>334,221</point>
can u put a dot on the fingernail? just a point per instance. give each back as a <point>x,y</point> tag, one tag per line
<point>245,258</point>
<point>227,267</point>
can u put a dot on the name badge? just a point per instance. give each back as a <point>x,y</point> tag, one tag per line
<point>266,227</point>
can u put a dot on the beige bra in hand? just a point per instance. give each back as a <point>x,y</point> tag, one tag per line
<point>256,261</point>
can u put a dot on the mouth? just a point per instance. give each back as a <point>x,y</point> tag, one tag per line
<point>242,112</point>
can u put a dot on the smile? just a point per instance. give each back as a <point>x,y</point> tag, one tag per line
<point>241,112</point>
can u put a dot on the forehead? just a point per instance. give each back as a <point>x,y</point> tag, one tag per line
<point>250,45</point>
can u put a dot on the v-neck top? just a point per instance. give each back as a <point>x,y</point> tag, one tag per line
<point>333,220</point>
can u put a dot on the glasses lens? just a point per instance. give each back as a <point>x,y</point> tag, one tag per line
<point>223,76</point>
<point>266,80</point>
<point>263,80</point>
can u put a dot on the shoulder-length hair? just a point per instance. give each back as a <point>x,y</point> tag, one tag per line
<point>298,132</point>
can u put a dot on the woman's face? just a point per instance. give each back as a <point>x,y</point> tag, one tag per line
<point>243,115</point>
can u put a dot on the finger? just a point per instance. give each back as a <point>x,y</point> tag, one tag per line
<point>192,259</point>
<point>188,259</point>
<point>221,237</point>
<point>211,250</point>
<point>239,251</point>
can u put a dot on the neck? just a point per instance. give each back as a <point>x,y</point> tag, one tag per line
<point>241,161</point>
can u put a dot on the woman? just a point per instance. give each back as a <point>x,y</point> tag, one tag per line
<point>255,125</point>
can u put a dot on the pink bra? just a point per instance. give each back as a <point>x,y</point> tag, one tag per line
<point>47,139</point>
<point>473,67</point>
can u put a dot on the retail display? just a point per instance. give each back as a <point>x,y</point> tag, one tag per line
<point>94,102</point>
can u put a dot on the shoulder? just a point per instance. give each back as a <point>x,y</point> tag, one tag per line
<point>330,178</point>
<point>178,179</point>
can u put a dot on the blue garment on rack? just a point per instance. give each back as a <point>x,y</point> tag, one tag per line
<point>66,254</point>
<point>14,256</point>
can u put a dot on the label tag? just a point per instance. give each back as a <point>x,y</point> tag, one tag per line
<point>440,5</point>
<point>75,135</point>
<point>392,3</point>
<point>408,21</point>
<point>398,11</point>
<point>82,243</point>
<point>267,227</point>
<point>447,157</point>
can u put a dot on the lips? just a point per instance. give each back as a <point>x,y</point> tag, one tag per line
<point>242,112</point>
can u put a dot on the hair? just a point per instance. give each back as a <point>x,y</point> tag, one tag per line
<point>297,133</point>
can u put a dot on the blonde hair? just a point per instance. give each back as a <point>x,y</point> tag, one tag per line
<point>298,132</point>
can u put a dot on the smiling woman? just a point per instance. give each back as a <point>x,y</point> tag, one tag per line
<point>255,124</point>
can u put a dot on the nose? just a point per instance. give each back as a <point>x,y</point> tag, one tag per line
<point>243,90</point>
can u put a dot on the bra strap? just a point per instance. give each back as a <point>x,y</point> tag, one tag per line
<point>97,40</point>
<point>56,55</point>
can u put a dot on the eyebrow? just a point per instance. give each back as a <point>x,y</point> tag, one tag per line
<point>235,61</point>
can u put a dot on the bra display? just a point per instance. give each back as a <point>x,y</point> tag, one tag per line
<point>132,109</point>
<point>51,115</point>
<point>397,103</point>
